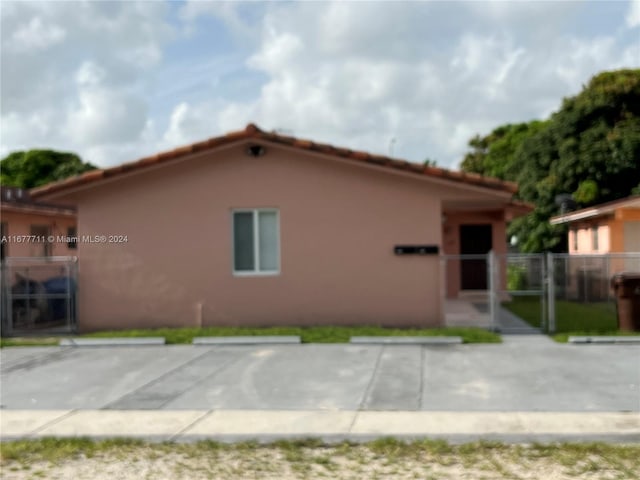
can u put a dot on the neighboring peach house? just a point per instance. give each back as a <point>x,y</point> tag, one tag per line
<point>595,233</point>
<point>257,228</point>
<point>29,225</point>
<point>612,227</point>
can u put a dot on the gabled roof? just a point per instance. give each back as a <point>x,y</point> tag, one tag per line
<point>253,133</point>
<point>596,210</point>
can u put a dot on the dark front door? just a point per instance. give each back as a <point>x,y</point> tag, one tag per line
<point>474,240</point>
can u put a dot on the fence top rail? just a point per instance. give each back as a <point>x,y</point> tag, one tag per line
<point>39,260</point>
<point>596,255</point>
<point>479,256</point>
<point>525,256</point>
<point>520,255</point>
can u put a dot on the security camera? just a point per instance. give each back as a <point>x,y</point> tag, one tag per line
<point>256,150</point>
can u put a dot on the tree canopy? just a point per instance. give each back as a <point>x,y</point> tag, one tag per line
<point>589,148</point>
<point>32,168</point>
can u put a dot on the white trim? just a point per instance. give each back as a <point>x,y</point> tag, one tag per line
<point>256,272</point>
<point>596,211</point>
<point>577,216</point>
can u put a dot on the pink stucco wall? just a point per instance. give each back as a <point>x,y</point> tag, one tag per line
<point>19,224</point>
<point>339,223</point>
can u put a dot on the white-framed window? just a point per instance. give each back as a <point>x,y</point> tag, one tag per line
<point>256,241</point>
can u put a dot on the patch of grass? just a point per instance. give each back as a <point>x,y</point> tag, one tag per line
<point>29,342</point>
<point>324,334</point>
<point>53,450</point>
<point>528,309</point>
<point>572,318</point>
<point>312,457</point>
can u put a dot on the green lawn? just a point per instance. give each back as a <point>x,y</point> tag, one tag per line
<point>308,334</point>
<point>326,334</point>
<point>572,318</point>
<point>29,342</point>
<point>528,309</point>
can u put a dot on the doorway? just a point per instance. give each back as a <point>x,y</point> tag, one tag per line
<point>474,240</point>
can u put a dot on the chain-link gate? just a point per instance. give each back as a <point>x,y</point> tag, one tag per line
<point>39,295</point>
<point>510,294</point>
<point>521,288</point>
<point>466,291</point>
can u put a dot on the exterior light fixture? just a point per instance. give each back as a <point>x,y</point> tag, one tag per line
<point>256,150</point>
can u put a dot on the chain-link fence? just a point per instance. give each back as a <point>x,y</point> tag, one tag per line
<point>523,293</point>
<point>581,297</point>
<point>39,295</point>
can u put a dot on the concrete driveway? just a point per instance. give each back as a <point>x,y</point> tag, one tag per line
<point>526,373</point>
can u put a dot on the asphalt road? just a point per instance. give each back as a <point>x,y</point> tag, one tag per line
<point>527,373</point>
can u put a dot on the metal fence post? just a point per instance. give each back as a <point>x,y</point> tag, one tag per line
<point>493,311</point>
<point>75,296</point>
<point>3,300</point>
<point>551,293</point>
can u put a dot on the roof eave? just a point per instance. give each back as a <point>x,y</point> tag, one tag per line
<point>251,132</point>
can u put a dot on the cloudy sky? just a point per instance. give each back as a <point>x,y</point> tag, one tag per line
<point>114,81</point>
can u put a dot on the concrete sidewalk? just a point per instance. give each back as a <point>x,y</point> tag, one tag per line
<point>329,425</point>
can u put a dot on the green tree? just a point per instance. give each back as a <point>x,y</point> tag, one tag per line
<point>32,168</point>
<point>494,154</point>
<point>589,148</point>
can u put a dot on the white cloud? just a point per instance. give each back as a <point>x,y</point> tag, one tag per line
<point>633,15</point>
<point>98,78</point>
<point>36,35</point>
<point>105,116</point>
<point>584,56</point>
<point>341,74</point>
<point>75,74</point>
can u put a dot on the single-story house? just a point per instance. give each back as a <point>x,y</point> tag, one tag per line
<point>258,228</point>
<point>612,227</point>
<point>31,228</point>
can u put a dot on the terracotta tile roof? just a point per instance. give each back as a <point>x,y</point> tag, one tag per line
<point>15,199</point>
<point>252,132</point>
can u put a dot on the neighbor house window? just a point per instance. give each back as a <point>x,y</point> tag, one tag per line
<point>3,243</point>
<point>574,233</point>
<point>256,241</point>
<point>594,238</point>
<point>72,238</point>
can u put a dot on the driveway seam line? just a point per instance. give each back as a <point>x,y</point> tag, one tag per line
<point>155,380</point>
<point>421,391</point>
<point>367,390</point>
<point>180,432</point>
<point>54,422</point>
<point>206,377</point>
<point>57,355</point>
